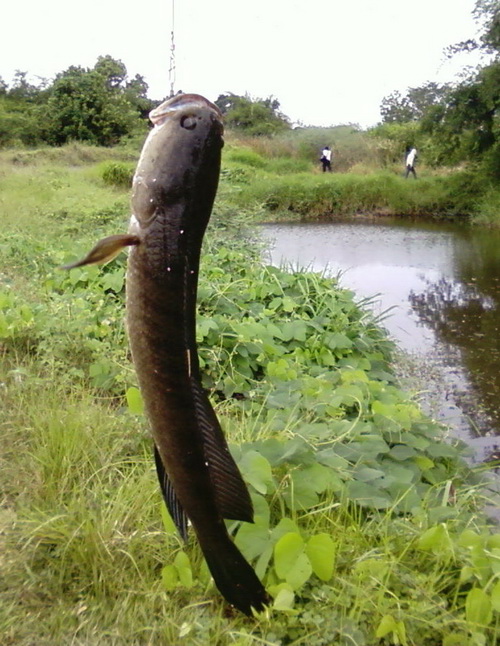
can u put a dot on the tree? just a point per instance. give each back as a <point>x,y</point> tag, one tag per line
<point>466,125</point>
<point>486,13</point>
<point>396,108</point>
<point>23,90</point>
<point>252,116</point>
<point>112,71</point>
<point>136,92</point>
<point>91,105</point>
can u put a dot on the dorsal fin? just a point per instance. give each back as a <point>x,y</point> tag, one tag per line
<point>231,493</point>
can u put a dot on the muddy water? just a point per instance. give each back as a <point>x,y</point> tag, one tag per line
<point>441,283</point>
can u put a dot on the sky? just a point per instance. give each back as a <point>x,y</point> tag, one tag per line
<point>328,62</point>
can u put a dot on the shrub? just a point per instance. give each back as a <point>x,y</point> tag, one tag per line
<point>117,174</point>
<point>245,156</point>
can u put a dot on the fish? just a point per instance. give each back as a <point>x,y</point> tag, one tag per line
<point>173,192</point>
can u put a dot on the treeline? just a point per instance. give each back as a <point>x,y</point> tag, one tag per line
<point>448,124</point>
<point>102,105</point>
<point>453,124</point>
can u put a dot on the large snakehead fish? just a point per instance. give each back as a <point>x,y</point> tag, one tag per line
<point>174,189</point>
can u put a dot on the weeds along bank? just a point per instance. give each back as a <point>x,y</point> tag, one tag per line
<point>367,525</point>
<point>291,187</point>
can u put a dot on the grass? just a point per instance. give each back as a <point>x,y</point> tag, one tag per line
<point>350,481</point>
<point>310,196</point>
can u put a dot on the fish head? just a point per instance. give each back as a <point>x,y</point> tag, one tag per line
<point>180,161</point>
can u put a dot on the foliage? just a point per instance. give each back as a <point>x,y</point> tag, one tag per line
<point>88,105</point>
<point>396,108</point>
<point>117,174</point>
<point>457,123</point>
<point>394,138</point>
<point>309,196</point>
<point>487,15</point>
<point>466,126</point>
<point>252,116</point>
<point>349,144</point>
<point>98,105</point>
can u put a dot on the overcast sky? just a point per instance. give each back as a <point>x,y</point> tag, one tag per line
<point>327,61</point>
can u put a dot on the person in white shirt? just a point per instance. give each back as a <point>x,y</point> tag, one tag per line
<point>410,162</point>
<point>326,159</point>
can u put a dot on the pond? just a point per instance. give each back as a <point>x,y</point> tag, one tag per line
<point>438,285</point>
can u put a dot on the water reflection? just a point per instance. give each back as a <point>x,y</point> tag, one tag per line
<point>442,284</point>
<point>467,320</point>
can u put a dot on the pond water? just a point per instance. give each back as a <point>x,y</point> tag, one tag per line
<point>441,283</point>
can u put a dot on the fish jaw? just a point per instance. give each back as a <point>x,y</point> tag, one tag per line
<point>181,101</point>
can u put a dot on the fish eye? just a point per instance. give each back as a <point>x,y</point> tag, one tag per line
<point>188,122</point>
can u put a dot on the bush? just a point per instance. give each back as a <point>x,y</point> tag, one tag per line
<point>245,156</point>
<point>117,174</point>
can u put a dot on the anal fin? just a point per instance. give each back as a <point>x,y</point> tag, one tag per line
<point>231,493</point>
<point>173,505</point>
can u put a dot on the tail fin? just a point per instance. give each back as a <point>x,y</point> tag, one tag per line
<point>235,577</point>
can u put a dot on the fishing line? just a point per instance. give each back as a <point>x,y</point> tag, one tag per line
<point>171,69</point>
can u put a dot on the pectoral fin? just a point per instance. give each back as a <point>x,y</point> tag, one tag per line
<point>105,250</point>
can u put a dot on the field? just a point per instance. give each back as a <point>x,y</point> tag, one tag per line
<point>368,525</point>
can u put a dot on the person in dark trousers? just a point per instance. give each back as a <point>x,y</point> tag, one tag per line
<point>411,156</point>
<point>326,159</point>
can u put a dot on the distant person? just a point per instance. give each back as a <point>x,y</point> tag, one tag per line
<point>326,159</point>
<point>410,162</point>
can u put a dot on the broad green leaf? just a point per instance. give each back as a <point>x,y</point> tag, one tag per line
<point>466,573</point>
<point>368,495</point>
<point>495,597</point>
<point>285,526</point>
<point>263,561</point>
<point>436,539</point>
<point>261,510</point>
<point>286,552</point>
<point>423,462</point>
<point>387,625</point>
<point>283,597</point>
<point>441,450</point>
<point>320,549</point>
<point>257,471</point>
<point>284,600</point>
<point>288,304</point>
<point>135,402</point>
<point>316,476</point>
<point>401,452</point>
<point>366,474</point>
<point>183,566</point>
<point>114,280</point>
<point>300,572</point>
<point>169,577</point>
<point>456,639</point>
<point>252,540</point>
<point>301,494</point>
<point>329,458</point>
<point>478,607</point>
<point>494,555</point>
<point>337,340</point>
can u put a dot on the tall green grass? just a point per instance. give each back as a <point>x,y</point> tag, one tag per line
<point>311,196</point>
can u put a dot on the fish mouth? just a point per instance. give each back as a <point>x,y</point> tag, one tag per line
<point>184,102</point>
